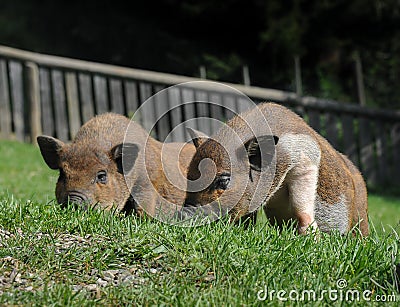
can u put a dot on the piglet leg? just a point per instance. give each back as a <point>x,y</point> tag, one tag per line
<point>302,185</point>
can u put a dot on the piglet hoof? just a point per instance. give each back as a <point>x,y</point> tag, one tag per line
<point>310,229</point>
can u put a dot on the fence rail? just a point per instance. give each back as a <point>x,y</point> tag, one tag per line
<point>55,96</point>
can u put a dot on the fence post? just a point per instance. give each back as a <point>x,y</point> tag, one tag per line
<point>33,94</point>
<point>360,79</point>
<point>246,75</point>
<point>395,135</point>
<point>203,72</point>
<point>5,110</point>
<point>297,70</point>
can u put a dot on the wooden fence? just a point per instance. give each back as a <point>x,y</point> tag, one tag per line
<point>42,94</point>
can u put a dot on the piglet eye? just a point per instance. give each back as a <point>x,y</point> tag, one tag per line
<point>101,177</point>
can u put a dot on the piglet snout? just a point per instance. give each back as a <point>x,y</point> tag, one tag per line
<point>76,198</point>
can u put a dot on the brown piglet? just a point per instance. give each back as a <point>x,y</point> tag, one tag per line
<point>101,166</point>
<point>309,181</point>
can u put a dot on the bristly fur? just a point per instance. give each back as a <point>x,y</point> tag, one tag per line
<point>313,183</point>
<point>92,151</point>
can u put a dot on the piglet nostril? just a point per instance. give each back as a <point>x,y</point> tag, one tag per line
<point>76,198</point>
<point>189,203</point>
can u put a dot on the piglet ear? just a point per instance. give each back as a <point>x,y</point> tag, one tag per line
<point>198,137</point>
<point>261,150</point>
<point>125,156</point>
<point>50,148</point>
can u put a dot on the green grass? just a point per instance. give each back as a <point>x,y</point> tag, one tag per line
<point>23,172</point>
<point>384,212</point>
<point>218,264</point>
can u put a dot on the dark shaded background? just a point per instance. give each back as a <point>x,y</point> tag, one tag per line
<point>179,36</point>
